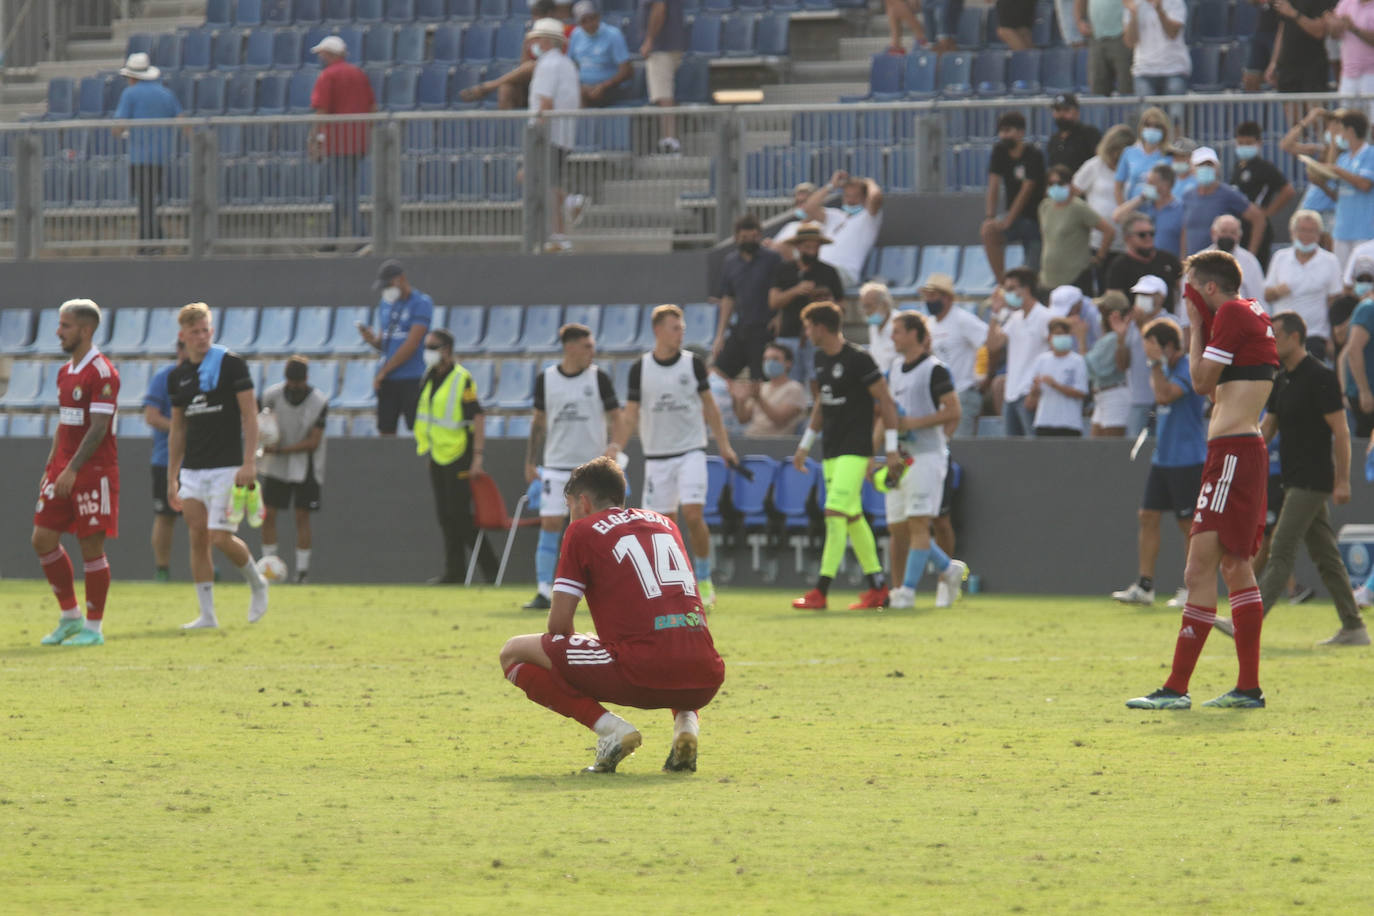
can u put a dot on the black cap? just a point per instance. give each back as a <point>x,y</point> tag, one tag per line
<point>389,271</point>
<point>1065,100</point>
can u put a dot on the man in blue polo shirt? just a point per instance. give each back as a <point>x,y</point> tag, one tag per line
<point>602,58</point>
<point>1180,452</point>
<point>157,413</point>
<point>149,147</point>
<point>1210,199</point>
<point>404,316</point>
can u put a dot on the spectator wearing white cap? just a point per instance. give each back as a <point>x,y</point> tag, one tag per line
<point>341,89</point>
<point>1306,278</point>
<point>1226,235</point>
<point>1148,295</point>
<point>1361,254</point>
<point>956,336</point>
<point>603,60</point>
<point>1071,303</point>
<point>555,86</point>
<point>1210,199</point>
<point>149,147</point>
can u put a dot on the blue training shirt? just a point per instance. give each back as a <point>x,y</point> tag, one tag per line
<point>159,397</point>
<point>150,99</point>
<point>1355,208</point>
<point>396,320</point>
<point>1181,427</point>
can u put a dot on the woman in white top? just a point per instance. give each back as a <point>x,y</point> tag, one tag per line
<point>1306,279</point>
<point>1095,180</point>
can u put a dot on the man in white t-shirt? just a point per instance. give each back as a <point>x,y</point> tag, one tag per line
<point>1154,29</point>
<point>1306,278</point>
<point>853,228</point>
<point>955,336</point>
<point>875,301</point>
<point>1024,332</point>
<point>556,86</point>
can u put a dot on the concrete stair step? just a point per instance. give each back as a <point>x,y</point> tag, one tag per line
<point>96,50</point>
<point>864,48</point>
<point>123,28</point>
<point>798,93</point>
<point>672,167</point>
<point>634,195</point>
<point>168,8</point>
<point>829,71</point>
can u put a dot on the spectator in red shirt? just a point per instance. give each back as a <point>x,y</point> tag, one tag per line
<point>341,89</point>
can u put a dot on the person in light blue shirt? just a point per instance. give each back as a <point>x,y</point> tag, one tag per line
<point>1353,185</point>
<point>157,413</point>
<point>602,58</point>
<point>404,316</point>
<point>150,148</point>
<point>1137,160</point>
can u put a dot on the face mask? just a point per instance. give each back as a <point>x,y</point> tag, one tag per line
<point>1015,300</point>
<point>799,213</point>
<point>391,295</point>
<point>1064,123</point>
<point>1342,143</point>
<point>876,319</point>
<point>809,259</point>
<point>853,209</point>
<point>1145,302</point>
<point>1057,193</point>
<point>1149,192</point>
<point>1007,143</point>
<point>1226,243</point>
<point>1326,138</point>
<point>1206,174</point>
<point>1180,168</point>
<point>1151,135</point>
<point>537,50</point>
<point>296,396</point>
<point>1305,247</point>
<point>1246,152</point>
<point>748,247</point>
<point>431,357</point>
<point>1364,289</point>
<point>774,368</point>
<point>935,307</point>
<point>1062,343</point>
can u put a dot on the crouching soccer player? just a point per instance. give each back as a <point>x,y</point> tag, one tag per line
<point>652,649</point>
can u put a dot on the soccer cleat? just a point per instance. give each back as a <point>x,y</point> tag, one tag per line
<point>1364,597</point>
<point>201,623</point>
<point>85,637</point>
<point>537,603</point>
<point>901,598</point>
<point>257,604</point>
<point>707,589</point>
<point>1134,594</point>
<point>615,747</point>
<point>162,575</point>
<point>301,576</point>
<point>1225,627</point>
<point>1163,698</point>
<point>1180,598</point>
<point>1358,636</point>
<point>68,627</point>
<point>873,598</point>
<point>682,757</point>
<point>811,601</point>
<point>256,511</point>
<point>238,504</point>
<point>574,208</point>
<point>1234,699</point>
<point>669,146</point>
<point>951,580</point>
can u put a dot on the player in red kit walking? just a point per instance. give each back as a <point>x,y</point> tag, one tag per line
<point>1234,360</point>
<point>652,649</point>
<point>80,489</point>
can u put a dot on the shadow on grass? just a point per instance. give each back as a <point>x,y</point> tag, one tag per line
<point>122,636</point>
<point>575,779</point>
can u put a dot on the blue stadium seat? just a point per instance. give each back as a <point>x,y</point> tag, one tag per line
<point>886,75</point>
<point>448,44</point>
<point>692,83</point>
<point>990,37</point>
<point>1209,21</point>
<point>355,391</point>
<point>431,90</point>
<point>705,35</point>
<point>138,43</point>
<point>717,475</point>
<point>1023,72</point>
<point>773,36</point>
<point>483,373</point>
<point>237,328</point>
<point>1056,70</point>
<point>364,426</point>
<point>227,52</point>
<point>241,93</point>
<point>209,98</point>
<point>288,49</point>
<point>989,75</point>
<point>515,386</point>
<point>1206,68</point>
<point>313,326</point>
<point>344,339</point>
<point>278,12</point>
<point>493,10</point>
<point>248,13</point>
<point>299,88</point>
<point>431,10</point>
<point>309,12</point>
<point>133,382</point>
<point>700,319</point>
<point>27,426</point>
<point>257,49</point>
<point>132,425</point>
<point>495,426</point>
<point>970,32</point>
<point>897,265</point>
<point>620,376</point>
<point>717,6</point>
<point>791,491</point>
<point>540,334</point>
<point>16,329</point>
<point>518,426</point>
<point>219,13</point>
<point>874,506</point>
<point>197,50</point>
<point>510,40</point>
<point>166,53</point>
<point>410,45</point>
<point>956,75</point>
<point>750,496</point>
<point>400,10</point>
<point>400,89</point>
<point>183,86</point>
<point>376,76</point>
<point>503,329</point>
<point>465,324</point>
<point>938,259</point>
<point>367,11</point>
<point>272,94</point>
<point>379,44</point>
<point>975,277</point>
<point>479,40</point>
<point>324,375</point>
<point>920,74</point>
<point>130,329</point>
<point>462,9</point>
<point>353,40</point>
<point>737,35</point>
<point>1244,19</point>
<point>61,98</point>
<point>619,329</point>
<point>589,315</point>
<point>1080,69</point>
<point>1233,64</point>
<point>276,327</point>
<point>90,97</point>
<point>26,384</point>
<point>335,425</point>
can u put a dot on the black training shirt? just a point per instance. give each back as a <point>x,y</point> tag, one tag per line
<point>1300,401</point>
<point>1029,166</point>
<point>846,405</point>
<point>1075,146</point>
<point>214,427</point>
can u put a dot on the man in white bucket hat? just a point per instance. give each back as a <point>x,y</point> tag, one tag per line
<point>149,147</point>
<point>555,86</point>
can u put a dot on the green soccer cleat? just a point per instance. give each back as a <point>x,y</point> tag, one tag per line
<point>238,503</point>
<point>68,627</point>
<point>253,506</point>
<point>707,589</point>
<point>85,637</point>
<point>1163,698</point>
<point>1235,699</point>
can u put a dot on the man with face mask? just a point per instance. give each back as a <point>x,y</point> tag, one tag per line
<point>293,469</point>
<point>853,227</point>
<point>1073,142</point>
<point>1147,297</point>
<point>956,335</point>
<point>404,314</point>
<point>800,195</point>
<point>796,284</point>
<point>875,300</point>
<point>746,279</point>
<point>1306,278</point>
<point>1210,199</point>
<point>1020,168</point>
<point>1226,235</point>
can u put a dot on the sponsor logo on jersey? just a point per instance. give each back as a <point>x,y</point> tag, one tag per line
<point>88,503</point>
<point>674,621</point>
<point>837,370</point>
<point>200,405</point>
<point>71,416</point>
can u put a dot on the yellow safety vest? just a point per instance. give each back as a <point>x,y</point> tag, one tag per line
<point>440,429</point>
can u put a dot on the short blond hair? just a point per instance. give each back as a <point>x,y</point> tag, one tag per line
<point>665,311</point>
<point>84,310</point>
<point>193,313</point>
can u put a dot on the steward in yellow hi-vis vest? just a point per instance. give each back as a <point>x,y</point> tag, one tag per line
<point>450,429</point>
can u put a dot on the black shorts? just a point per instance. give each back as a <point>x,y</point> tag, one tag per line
<point>1016,14</point>
<point>1058,432</point>
<point>1173,490</point>
<point>281,494</point>
<point>743,347</point>
<point>1312,76</point>
<point>160,506</point>
<point>1271,513</point>
<point>396,397</point>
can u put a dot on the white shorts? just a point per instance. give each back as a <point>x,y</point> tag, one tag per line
<point>922,489</point>
<point>552,502</point>
<point>215,488</point>
<point>673,482</point>
<point>1112,407</point>
<point>660,69</point>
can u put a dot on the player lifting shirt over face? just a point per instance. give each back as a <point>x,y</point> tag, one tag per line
<point>1233,359</point>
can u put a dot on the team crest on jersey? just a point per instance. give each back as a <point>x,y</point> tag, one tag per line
<point>106,391</point>
<point>76,393</point>
<point>837,370</point>
<point>587,391</point>
<point>683,379</point>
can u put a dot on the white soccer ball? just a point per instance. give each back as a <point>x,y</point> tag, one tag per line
<point>269,433</point>
<point>273,569</point>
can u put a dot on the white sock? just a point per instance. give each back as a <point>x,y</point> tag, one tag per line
<point>546,589</point>
<point>205,594</point>
<point>269,550</point>
<point>71,613</point>
<point>252,576</point>
<point>686,721</point>
<point>302,559</point>
<point>608,724</point>
<point>94,624</point>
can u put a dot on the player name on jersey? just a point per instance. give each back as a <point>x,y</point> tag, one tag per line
<point>610,522</point>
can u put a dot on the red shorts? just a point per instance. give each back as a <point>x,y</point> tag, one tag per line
<point>592,671</point>
<point>92,507</point>
<point>1234,494</point>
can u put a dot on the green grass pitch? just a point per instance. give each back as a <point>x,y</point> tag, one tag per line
<point>359,751</point>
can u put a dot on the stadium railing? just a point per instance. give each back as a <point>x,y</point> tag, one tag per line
<point>435,180</point>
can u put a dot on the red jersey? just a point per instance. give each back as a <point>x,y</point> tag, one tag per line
<point>632,567</point>
<point>89,388</point>
<point>343,89</point>
<point>1240,336</point>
